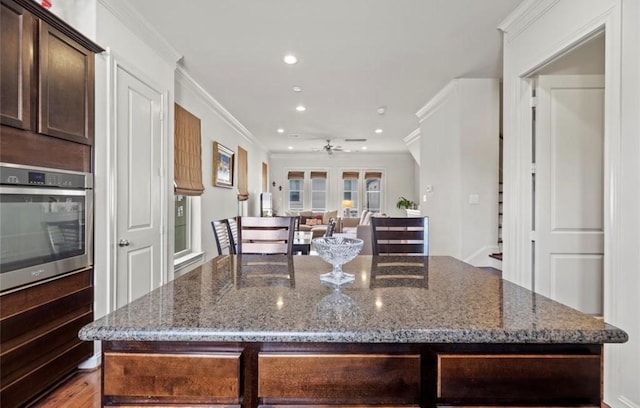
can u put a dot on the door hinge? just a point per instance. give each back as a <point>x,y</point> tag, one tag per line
<point>533,168</point>
<point>534,101</point>
<point>533,236</point>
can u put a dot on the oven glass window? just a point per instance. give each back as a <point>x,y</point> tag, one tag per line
<point>36,229</point>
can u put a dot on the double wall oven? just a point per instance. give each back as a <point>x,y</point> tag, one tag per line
<point>46,225</point>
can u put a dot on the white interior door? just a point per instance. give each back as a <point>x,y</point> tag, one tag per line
<point>569,182</point>
<point>139,187</point>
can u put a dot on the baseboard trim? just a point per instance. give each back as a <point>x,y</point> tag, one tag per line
<point>92,363</point>
<point>481,257</point>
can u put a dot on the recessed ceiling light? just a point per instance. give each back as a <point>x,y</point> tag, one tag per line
<point>290,147</point>
<point>378,131</point>
<point>381,110</point>
<point>364,147</point>
<point>296,88</point>
<point>290,59</point>
<point>301,108</point>
<point>280,130</point>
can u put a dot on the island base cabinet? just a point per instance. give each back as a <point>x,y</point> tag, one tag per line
<point>189,379</point>
<point>519,379</point>
<point>339,379</point>
<point>354,375</point>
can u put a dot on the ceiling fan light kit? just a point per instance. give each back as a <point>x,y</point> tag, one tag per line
<point>329,148</point>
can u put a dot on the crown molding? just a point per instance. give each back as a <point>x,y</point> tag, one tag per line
<point>412,137</point>
<point>136,22</point>
<point>337,157</point>
<point>523,16</point>
<point>441,97</point>
<point>184,79</point>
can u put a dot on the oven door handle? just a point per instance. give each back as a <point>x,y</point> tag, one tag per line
<point>42,191</point>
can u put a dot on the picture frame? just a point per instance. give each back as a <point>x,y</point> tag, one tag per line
<point>223,164</point>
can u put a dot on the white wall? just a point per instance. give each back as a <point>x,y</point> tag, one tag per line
<point>459,135</point>
<point>587,59</point>
<point>536,33</point>
<point>80,14</point>
<point>397,181</point>
<point>218,125</point>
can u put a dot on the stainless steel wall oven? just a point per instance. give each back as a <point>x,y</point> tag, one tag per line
<point>46,223</point>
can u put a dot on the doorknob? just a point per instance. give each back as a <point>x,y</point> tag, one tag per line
<point>123,243</point>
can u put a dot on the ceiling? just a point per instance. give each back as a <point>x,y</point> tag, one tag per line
<point>354,57</point>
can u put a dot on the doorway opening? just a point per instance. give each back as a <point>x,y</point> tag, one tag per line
<point>568,177</point>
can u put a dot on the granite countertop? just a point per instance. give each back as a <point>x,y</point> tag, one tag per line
<point>447,301</point>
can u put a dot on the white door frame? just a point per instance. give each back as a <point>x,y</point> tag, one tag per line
<point>518,153</point>
<point>108,223</point>
<point>554,43</point>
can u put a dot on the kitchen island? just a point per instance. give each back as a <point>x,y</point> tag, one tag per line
<point>241,331</point>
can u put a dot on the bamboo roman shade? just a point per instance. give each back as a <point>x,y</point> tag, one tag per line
<point>318,174</point>
<point>372,175</point>
<point>243,174</point>
<point>295,175</point>
<point>350,175</point>
<point>187,161</point>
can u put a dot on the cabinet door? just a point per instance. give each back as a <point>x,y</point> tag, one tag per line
<point>16,54</point>
<point>66,93</point>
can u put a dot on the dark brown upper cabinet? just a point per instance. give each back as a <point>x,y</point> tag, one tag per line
<point>47,76</point>
<point>65,87</point>
<point>16,52</point>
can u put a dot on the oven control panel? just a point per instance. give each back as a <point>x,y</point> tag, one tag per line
<point>18,175</point>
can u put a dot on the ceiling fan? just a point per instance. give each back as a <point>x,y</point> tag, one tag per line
<point>329,148</point>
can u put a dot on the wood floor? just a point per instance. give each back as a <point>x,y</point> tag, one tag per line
<point>82,390</point>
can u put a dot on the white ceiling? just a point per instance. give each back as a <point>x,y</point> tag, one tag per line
<point>354,57</point>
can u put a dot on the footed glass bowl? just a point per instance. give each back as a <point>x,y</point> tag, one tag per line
<point>337,251</point>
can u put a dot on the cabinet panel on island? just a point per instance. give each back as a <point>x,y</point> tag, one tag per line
<point>518,378</point>
<point>339,378</point>
<point>172,378</point>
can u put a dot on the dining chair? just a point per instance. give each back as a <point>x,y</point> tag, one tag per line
<point>400,246</point>
<point>265,235</point>
<point>232,227</point>
<point>400,235</point>
<point>222,236</point>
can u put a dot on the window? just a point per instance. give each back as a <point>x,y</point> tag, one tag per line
<point>296,196</point>
<point>350,192</point>
<point>188,178</point>
<point>182,236</point>
<point>373,191</point>
<point>318,190</point>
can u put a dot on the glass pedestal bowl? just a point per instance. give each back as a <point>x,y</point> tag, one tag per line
<point>337,251</point>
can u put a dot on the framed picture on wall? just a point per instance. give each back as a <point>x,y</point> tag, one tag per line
<point>223,158</point>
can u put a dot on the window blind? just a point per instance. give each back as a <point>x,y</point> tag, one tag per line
<point>187,152</point>
<point>295,175</point>
<point>350,175</point>
<point>372,175</point>
<point>243,174</point>
<point>318,174</point>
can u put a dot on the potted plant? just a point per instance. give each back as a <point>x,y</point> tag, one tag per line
<point>406,204</point>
